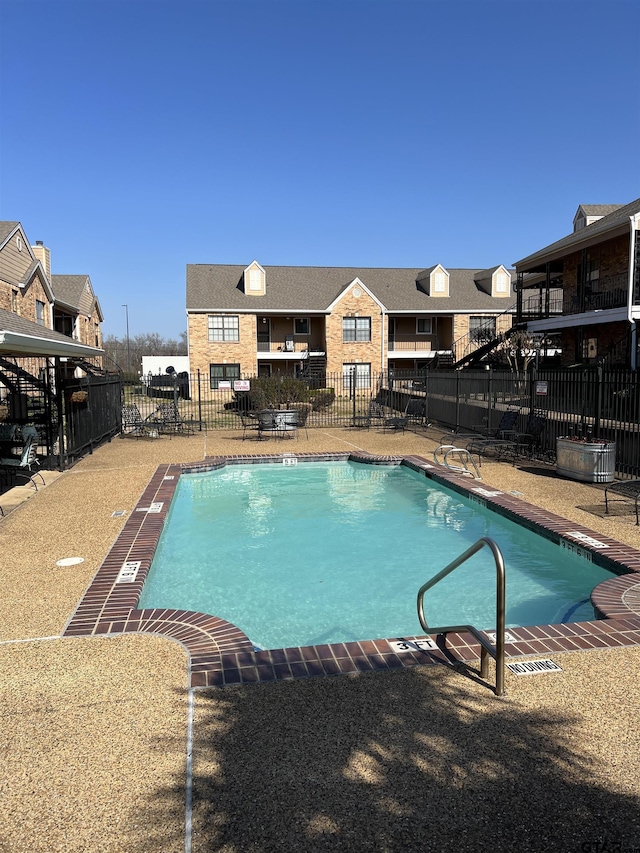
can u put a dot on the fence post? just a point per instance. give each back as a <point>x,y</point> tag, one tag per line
<point>489,396</point>
<point>598,411</point>
<point>352,389</point>
<point>457,401</point>
<point>199,402</point>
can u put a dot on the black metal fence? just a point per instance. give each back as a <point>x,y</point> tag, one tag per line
<point>90,415</point>
<point>595,401</point>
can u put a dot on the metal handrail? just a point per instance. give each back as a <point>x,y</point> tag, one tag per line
<point>487,649</point>
<point>464,458</point>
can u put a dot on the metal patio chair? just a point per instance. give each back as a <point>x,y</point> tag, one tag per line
<point>167,418</point>
<point>132,421</point>
<point>250,423</point>
<point>23,465</point>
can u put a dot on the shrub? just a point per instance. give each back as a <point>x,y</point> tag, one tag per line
<point>269,392</point>
<point>322,399</point>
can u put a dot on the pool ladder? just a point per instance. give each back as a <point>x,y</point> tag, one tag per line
<point>497,651</point>
<point>464,462</point>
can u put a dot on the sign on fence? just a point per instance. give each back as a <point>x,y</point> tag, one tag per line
<point>241,385</point>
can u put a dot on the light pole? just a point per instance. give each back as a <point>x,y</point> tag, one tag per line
<point>126,310</point>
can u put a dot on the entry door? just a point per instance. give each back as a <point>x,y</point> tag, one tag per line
<point>264,334</point>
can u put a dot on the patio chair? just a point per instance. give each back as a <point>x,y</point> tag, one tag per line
<point>514,443</point>
<point>482,432</point>
<point>528,443</point>
<point>132,421</point>
<point>23,465</point>
<point>167,418</point>
<point>303,415</point>
<point>250,423</point>
<point>375,412</point>
<point>416,411</point>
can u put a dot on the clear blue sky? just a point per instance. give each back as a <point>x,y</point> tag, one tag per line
<point>138,136</point>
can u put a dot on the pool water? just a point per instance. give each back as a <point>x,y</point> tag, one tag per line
<point>326,552</point>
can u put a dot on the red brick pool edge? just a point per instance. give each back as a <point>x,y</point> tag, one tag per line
<point>220,653</point>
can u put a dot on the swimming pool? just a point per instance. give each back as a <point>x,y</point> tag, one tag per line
<point>332,552</point>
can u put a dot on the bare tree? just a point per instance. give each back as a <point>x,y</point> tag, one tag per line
<point>118,351</point>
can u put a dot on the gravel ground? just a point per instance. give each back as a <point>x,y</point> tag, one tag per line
<point>94,731</point>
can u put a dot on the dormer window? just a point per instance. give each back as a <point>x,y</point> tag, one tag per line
<point>254,280</point>
<point>434,281</point>
<point>502,282</point>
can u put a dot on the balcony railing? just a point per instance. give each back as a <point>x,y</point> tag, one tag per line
<point>301,348</point>
<point>408,344</point>
<point>604,293</point>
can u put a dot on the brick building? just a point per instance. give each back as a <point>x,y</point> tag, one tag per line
<point>306,321</point>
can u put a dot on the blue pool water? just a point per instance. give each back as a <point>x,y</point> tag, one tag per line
<point>331,552</point>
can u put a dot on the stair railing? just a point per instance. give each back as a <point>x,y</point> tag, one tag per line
<point>497,651</point>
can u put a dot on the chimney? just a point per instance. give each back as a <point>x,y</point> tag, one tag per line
<point>44,256</point>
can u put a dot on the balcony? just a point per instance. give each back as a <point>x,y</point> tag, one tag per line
<point>599,295</point>
<point>288,347</point>
<point>405,343</point>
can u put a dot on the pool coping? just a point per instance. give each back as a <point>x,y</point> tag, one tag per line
<point>221,654</point>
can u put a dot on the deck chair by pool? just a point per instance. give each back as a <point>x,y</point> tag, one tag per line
<point>416,411</point>
<point>23,465</point>
<point>167,418</point>
<point>482,432</point>
<point>514,444</point>
<point>529,442</point>
<point>376,412</point>
<point>249,424</point>
<point>132,421</point>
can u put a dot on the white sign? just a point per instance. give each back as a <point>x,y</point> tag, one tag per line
<point>224,385</point>
<point>508,638</point>
<point>413,645</point>
<point>289,460</point>
<point>588,540</point>
<point>542,389</point>
<point>241,385</point>
<point>128,572</point>
<point>533,667</point>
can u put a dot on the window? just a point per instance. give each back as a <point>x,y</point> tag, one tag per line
<point>482,329</point>
<point>501,282</point>
<point>39,312</point>
<point>440,282</point>
<point>362,376</point>
<point>14,301</point>
<point>223,328</point>
<point>220,372</point>
<point>255,279</point>
<point>356,328</point>
<point>423,326</point>
<point>301,326</point>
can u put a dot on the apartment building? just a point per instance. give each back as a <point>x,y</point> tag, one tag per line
<point>312,321</point>
<point>43,314</point>
<point>586,287</point>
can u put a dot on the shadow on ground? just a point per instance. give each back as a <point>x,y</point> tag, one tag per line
<point>418,760</point>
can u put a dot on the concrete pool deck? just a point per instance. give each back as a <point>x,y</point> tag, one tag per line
<point>95,728</point>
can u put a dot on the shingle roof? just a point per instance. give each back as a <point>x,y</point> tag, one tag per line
<point>618,219</point>
<point>599,209</point>
<point>5,230</point>
<point>218,287</point>
<point>68,288</point>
